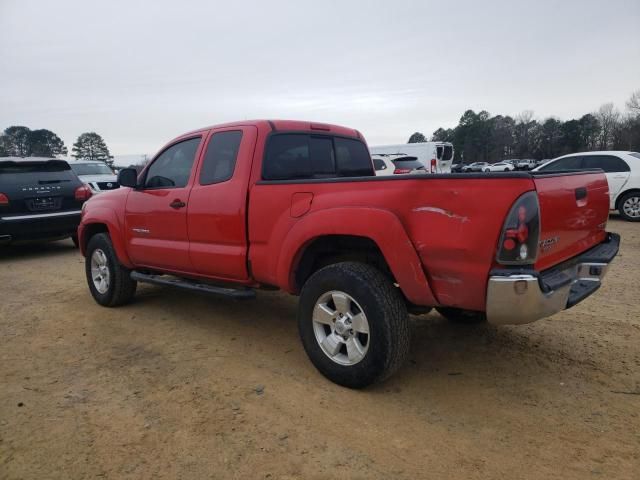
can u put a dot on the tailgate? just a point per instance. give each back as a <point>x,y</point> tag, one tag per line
<point>574,208</point>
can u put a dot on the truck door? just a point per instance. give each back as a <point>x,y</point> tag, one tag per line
<point>156,213</point>
<point>217,211</point>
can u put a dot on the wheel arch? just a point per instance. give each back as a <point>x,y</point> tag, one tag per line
<point>622,194</point>
<point>379,232</point>
<point>104,221</point>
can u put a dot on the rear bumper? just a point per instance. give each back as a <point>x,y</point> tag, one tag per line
<point>38,226</point>
<point>524,296</point>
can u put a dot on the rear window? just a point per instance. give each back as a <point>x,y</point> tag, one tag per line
<point>608,163</point>
<point>635,154</point>
<point>33,167</point>
<point>408,162</point>
<point>36,173</point>
<point>91,169</point>
<point>448,153</point>
<point>292,156</point>
<point>439,151</point>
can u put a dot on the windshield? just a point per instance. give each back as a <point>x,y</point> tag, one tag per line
<point>635,154</point>
<point>91,169</point>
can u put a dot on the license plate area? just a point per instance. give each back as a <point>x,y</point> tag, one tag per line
<point>43,204</point>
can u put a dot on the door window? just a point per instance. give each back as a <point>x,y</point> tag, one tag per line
<point>220,160</point>
<point>568,163</point>
<point>171,169</point>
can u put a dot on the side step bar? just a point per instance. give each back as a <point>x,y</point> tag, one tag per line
<point>194,285</point>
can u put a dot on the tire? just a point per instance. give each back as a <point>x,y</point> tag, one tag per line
<point>487,170</point>
<point>74,239</point>
<point>629,206</point>
<point>118,288</point>
<point>381,351</point>
<point>459,315</point>
<point>506,169</point>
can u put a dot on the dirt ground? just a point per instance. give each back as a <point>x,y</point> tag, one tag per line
<point>178,385</point>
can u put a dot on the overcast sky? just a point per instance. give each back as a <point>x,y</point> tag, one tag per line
<point>141,73</point>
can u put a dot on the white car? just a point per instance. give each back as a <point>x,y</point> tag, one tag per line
<point>396,164</point>
<point>436,157</point>
<point>623,175</point>
<point>97,175</point>
<point>499,167</point>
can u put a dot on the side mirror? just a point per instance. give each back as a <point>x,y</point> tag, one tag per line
<point>128,177</point>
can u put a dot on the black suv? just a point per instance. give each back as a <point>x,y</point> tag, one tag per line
<point>40,199</point>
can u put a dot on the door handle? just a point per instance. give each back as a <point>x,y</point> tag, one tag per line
<point>177,203</point>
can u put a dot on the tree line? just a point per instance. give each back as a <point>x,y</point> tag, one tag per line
<point>20,141</point>
<point>480,137</point>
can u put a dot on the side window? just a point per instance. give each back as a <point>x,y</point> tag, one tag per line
<point>379,164</point>
<point>352,158</point>
<point>171,169</point>
<point>287,158</point>
<point>220,159</point>
<point>299,156</point>
<point>569,163</point>
<point>608,163</point>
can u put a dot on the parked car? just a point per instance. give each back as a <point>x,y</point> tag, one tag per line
<point>396,164</point>
<point>475,167</point>
<point>456,167</point>
<point>40,199</point>
<point>436,157</point>
<point>499,167</point>
<point>526,164</point>
<point>234,208</point>
<point>97,175</point>
<point>622,169</point>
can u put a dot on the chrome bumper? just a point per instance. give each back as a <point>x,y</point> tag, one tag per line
<point>524,297</point>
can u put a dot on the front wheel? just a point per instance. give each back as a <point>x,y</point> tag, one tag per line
<point>109,282</point>
<point>487,170</point>
<point>353,324</point>
<point>630,207</point>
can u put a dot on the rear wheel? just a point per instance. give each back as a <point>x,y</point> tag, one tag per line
<point>487,169</point>
<point>110,283</point>
<point>459,315</point>
<point>353,324</point>
<point>506,169</point>
<point>630,207</point>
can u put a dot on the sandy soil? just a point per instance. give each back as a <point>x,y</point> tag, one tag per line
<point>178,385</point>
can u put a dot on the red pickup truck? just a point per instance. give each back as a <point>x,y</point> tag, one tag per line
<point>252,205</point>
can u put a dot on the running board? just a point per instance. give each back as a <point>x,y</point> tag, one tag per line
<point>194,285</point>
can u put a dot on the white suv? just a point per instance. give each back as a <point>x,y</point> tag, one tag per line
<point>97,175</point>
<point>623,175</point>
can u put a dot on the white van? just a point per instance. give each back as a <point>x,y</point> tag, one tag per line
<point>436,157</point>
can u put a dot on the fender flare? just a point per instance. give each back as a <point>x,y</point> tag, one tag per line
<point>381,226</point>
<point>107,217</point>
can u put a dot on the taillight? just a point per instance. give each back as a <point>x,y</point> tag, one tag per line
<point>402,170</point>
<point>4,200</point>
<point>433,165</point>
<point>521,232</point>
<point>83,193</point>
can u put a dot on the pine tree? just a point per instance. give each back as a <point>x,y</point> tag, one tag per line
<point>45,143</point>
<point>91,146</point>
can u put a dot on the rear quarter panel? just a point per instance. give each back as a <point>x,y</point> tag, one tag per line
<point>452,224</point>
